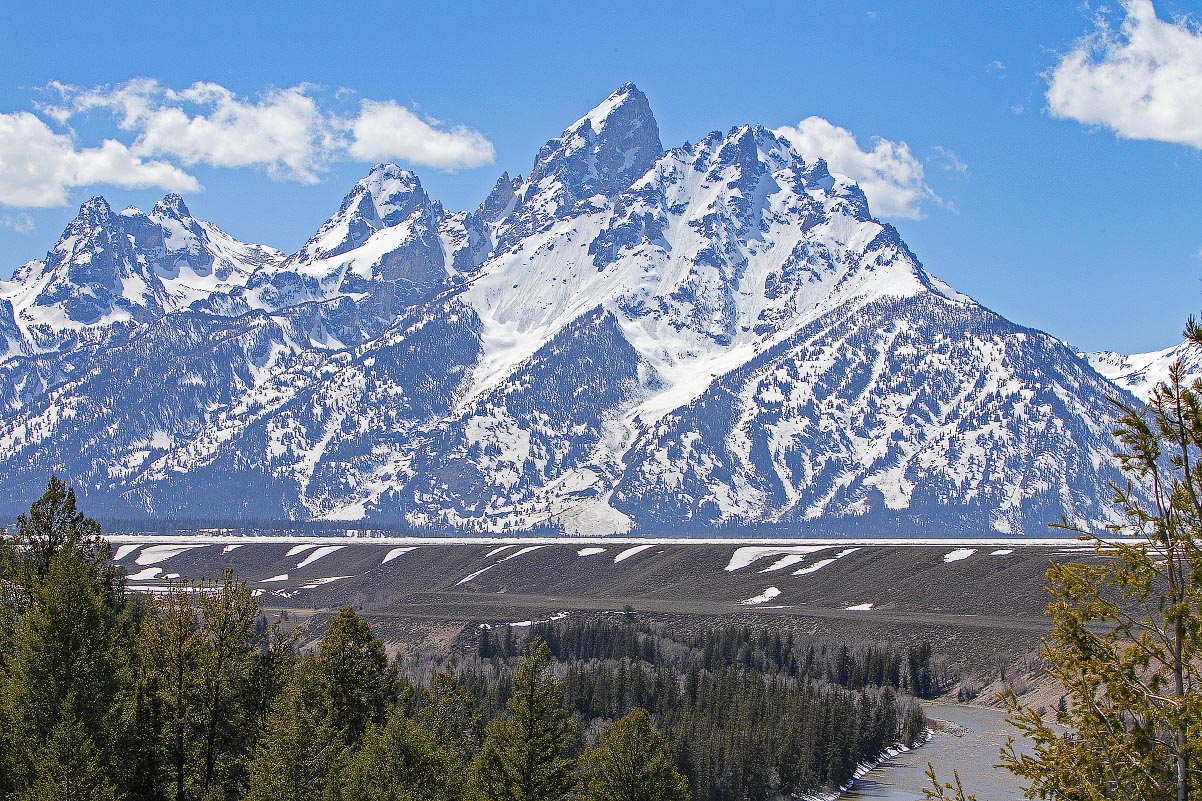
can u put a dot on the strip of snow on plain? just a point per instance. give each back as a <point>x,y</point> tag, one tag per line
<point>526,623</point>
<point>479,572</point>
<point>514,555</point>
<point>124,551</point>
<point>280,577</point>
<point>590,551</point>
<point>859,608</point>
<point>783,562</point>
<point>525,550</point>
<point>958,554</point>
<point>394,553</point>
<point>315,583</point>
<point>325,550</point>
<point>743,557</point>
<point>764,597</point>
<point>821,563</point>
<point>1002,552</point>
<point>153,554</point>
<point>814,568</point>
<point>145,574</point>
<point>629,552</point>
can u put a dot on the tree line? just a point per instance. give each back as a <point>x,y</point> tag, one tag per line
<point>191,695</point>
<point>914,669</point>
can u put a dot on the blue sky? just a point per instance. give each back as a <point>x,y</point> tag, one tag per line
<point>1078,212</point>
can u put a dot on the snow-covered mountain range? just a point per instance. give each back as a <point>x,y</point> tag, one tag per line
<point>1140,373</point>
<point>628,339</point>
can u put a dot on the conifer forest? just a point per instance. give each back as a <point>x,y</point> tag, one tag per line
<point>193,694</point>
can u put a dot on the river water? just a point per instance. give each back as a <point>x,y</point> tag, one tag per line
<point>973,751</point>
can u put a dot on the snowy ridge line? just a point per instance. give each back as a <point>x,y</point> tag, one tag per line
<point>879,542</point>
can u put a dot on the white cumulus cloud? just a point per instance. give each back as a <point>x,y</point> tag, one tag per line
<point>1143,81</point>
<point>889,173</point>
<point>283,131</point>
<point>387,130</point>
<point>288,132</point>
<point>38,167</point>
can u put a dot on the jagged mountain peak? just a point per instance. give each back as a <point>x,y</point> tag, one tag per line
<point>603,152</point>
<point>394,192</point>
<point>172,205</point>
<point>125,269</point>
<point>625,106</point>
<point>95,218</point>
<point>501,200</point>
<point>386,196</point>
<point>95,206</point>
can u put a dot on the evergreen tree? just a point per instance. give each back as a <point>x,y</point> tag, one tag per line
<point>1126,644</point>
<point>196,695</point>
<point>226,713</point>
<point>354,668</point>
<point>526,751</point>
<point>272,666</point>
<point>55,525</point>
<point>68,767</point>
<point>400,761</point>
<point>301,751</point>
<point>449,714</point>
<point>62,654</point>
<point>630,762</point>
<point>170,647</point>
<point>65,665</point>
<point>490,777</point>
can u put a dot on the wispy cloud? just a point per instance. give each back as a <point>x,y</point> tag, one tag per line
<point>290,134</point>
<point>889,173</point>
<point>21,223</point>
<point>950,161</point>
<point>1143,81</point>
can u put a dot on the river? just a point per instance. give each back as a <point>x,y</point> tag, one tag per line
<point>972,750</point>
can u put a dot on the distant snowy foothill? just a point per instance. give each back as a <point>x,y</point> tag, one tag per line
<point>718,336</point>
